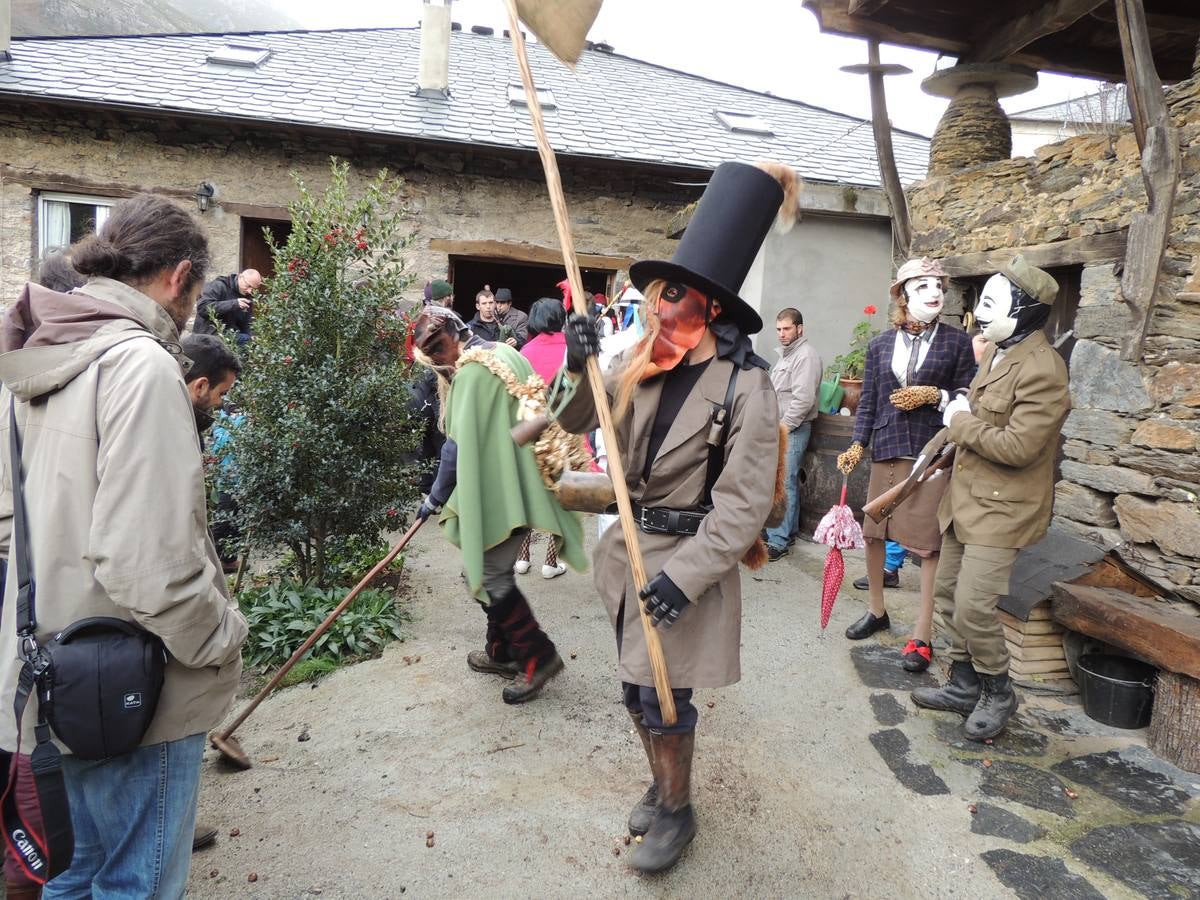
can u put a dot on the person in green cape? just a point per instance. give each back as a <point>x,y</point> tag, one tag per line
<point>490,493</point>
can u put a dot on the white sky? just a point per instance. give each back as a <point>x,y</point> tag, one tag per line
<point>765,45</point>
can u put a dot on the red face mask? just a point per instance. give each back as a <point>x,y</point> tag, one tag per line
<point>684,314</point>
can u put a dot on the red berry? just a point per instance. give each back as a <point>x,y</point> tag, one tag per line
<point>287,360</point>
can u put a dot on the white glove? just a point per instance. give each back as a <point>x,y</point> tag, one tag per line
<point>958,405</point>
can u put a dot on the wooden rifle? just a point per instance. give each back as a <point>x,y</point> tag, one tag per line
<point>938,454</point>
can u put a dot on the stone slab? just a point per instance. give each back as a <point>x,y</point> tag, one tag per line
<point>1160,861</point>
<point>1083,504</point>
<point>1097,426</point>
<point>1164,435</point>
<point>1038,877</point>
<point>1007,780</point>
<point>1111,479</point>
<point>995,821</point>
<point>1126,779</point>
<point>1174,527</point>
<point>879,667</point>
<point>892,744</point>
<point>887,709</point>
<point>1015,740</point>
<point>1100,379</point>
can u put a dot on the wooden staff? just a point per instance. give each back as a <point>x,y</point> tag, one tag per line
<point>558,201</point>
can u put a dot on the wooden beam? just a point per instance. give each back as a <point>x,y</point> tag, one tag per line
<point>1166,638</point>
<point>864,7</point>
<point>1014,35</point>
<point>1093,248</point>
<point>526,253</point>
<point>256,211</point>
<point>1148,231</point>
<point>881,125</point>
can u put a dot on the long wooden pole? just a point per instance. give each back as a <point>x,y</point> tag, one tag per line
<point>882,127</point>
<point>558,201</point>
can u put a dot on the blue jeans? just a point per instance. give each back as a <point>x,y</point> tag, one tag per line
<point>133,817</point>
<point>895,557</point>
<point>779,536</point>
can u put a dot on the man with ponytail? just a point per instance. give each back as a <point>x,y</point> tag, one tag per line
<point>113,490</point>
<point>696,416</point>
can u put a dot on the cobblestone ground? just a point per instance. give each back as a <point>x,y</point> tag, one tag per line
<point>814,777</point>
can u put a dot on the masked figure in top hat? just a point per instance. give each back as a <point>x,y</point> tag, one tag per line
<point>910,375</point>
<point>999,499</point>
<point>696,417</point>
<point>490,493</point>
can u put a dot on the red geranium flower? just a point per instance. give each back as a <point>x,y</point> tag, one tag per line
<point>870,310</point>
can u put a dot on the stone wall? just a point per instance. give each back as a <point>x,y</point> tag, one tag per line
<point>1131,474</point>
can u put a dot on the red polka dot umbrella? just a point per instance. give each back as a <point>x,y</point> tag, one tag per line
<point>840,531</point>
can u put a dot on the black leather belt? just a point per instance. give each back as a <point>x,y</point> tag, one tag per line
<point>660,520</point>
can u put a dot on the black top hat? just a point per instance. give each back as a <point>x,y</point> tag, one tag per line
<point>722,239</point>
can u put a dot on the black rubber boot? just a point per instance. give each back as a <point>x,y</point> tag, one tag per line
<point>675,824</point>
<point>537,659</point>
<point>643,813</point>
<point>997,703</point>
<point>960,693</point>
<point>494,658</point>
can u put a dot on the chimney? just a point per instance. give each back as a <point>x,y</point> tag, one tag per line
<point>433,80</point>
<point>5,29</point>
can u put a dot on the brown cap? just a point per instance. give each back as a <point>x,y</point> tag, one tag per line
<point>1037,283</point>
<point>917,268</point>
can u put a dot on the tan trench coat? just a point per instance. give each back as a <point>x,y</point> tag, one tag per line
<point>703,648</point>
<point>1002,490</point>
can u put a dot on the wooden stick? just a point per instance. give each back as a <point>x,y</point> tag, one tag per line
<point>558,201</point>
<point>882,127</point>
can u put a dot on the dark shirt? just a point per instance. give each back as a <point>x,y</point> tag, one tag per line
<point>488,331</point>
<point>519,322</point>
<point>677,384</point>
<point>219,303</point>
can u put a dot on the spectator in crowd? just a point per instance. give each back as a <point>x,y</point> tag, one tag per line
<point>228,301</point>
<point>485,325</point>
<point>121,531</point>
<point>893,561</point>
<point>512,317</point>
<point>797,381</point>
<point>441,293</point>
<point>426,406</point>
<point>57,273</point>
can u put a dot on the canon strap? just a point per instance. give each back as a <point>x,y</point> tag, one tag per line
<point>46,852</point>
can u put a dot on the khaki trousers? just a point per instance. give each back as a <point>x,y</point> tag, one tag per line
<point>970,579</point>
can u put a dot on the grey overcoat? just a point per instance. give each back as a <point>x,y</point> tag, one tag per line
<point>703,648</point>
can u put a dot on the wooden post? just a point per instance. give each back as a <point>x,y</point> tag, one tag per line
<point>616,470</point>
<point>1175,720</point>
<point>1159,143</point>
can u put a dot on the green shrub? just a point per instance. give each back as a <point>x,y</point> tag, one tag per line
<point>282,615</point>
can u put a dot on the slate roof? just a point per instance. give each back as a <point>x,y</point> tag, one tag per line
<point>611,107</point>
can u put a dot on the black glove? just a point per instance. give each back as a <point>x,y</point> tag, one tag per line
<point>427,509</point>
<point>664,602</point>
<point>582,341</point>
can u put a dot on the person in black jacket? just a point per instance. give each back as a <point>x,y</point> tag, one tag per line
<point>227,300</point>
<point>485,325</point>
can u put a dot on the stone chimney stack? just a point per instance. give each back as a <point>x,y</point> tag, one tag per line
<point>433,79</point>
<point>5,28</point>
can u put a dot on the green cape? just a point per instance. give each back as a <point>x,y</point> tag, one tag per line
<point>499,486</point>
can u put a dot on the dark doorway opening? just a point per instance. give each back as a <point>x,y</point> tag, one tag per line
<point>527,281</point>
<point>256,253</point>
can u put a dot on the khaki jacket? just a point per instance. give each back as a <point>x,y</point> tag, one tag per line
<point>797,381</point>
<point>114,494</point>
<point>703,648</point>
<point>1002,489</point>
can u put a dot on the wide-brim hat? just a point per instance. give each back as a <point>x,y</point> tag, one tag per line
<point>1037,283</point>
<point>917,268</point>
<point>722,239</point>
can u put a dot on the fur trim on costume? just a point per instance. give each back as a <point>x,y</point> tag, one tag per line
<point>756,556</point>
<point>789,210</point>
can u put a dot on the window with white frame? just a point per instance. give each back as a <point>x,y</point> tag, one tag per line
<point>64,219</point>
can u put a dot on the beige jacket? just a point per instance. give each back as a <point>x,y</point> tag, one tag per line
<point>114,494</point>
<point>702,649</point>
<point>797,381</point>
<point>1002,489</point>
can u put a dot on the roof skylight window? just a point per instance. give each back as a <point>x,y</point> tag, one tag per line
<point>744,123</point>
<point>243,55</point>
<point>516,97</point>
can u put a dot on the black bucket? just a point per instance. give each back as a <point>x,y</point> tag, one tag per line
<point>1116,690</point>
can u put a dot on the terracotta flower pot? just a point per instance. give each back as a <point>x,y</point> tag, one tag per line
<point>851,393</point>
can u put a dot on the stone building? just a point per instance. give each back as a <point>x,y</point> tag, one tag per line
<point>224,121</point>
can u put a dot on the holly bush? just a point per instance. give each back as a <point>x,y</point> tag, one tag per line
<point>321,452</point>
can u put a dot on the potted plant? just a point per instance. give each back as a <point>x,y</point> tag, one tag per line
<point>847,368</point>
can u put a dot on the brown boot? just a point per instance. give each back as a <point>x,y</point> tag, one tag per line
<point>675,825</point>
<point>19,891</point>
<point>643,813</point>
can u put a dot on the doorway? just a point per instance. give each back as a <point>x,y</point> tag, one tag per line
<point>528,281</point>
<point>255,251</point>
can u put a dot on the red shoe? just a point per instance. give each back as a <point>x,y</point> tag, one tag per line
<point>917,656</point>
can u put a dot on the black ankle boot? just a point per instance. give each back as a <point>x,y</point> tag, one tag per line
<point>960,693</point>
<point>997,703</point>
<point>868,625</point>
<point>643,813</point>
<point>494,658</point>
<point>526,643</point>
<point>674,825</point>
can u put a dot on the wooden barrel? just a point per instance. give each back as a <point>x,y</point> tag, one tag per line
<point>820,480</point>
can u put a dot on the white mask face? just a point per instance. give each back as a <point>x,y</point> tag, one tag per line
<point>992,310</point>
<point>925,298</point>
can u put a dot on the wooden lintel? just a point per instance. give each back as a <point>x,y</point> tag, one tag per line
<point>256,211</point>
<point>70,184</point>
<point>527,253</point>
<point>864,7</point>
<point>1015,34</point>
<point>1157,633</point>
<point>1092,248</point>
<point>881,125</point>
